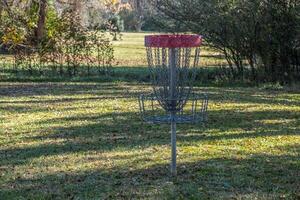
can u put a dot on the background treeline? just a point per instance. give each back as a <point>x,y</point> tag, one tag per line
<point>259,39</point>
<point>44,37</point>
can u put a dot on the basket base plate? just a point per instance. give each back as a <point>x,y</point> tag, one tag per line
<point>181,119</point>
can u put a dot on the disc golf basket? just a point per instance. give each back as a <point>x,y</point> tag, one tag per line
<point>172,61</point>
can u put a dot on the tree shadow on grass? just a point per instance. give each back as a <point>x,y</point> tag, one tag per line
<point>127,90</point>
<point>119,73</point>
<point>257,176</point>
<point>104,133</point>
<point>23,109</point>
<point>104,90</point>
<point>126,131</point>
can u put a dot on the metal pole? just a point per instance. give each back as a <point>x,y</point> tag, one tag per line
<point>173,112</point>
<point>173,142</point>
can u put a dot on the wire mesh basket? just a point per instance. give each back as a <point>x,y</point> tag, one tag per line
<point>194,110</point>
<point>172,60</point>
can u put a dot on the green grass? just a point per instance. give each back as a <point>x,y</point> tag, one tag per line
<point>130,51</point>
<point>84,139</point>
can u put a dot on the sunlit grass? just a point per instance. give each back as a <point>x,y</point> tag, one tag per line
<point>87,141</point>
<point>130,51</point>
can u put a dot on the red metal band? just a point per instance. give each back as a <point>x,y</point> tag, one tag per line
<point>173,41</point>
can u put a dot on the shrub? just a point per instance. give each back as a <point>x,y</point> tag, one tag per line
<point>66,48</point>
<point>260,35</point>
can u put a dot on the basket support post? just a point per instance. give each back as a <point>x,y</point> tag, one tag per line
<point>173,143</point>
<point>172,97</point>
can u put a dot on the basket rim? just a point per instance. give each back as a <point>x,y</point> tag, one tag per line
<point>173,40</point>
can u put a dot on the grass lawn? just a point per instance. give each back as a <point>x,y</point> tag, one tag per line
<point>130,51</point>
<point>85,140</point>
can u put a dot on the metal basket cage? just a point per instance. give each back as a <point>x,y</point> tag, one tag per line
<point>194,110</point>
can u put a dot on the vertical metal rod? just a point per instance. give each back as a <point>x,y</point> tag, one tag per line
<point>173,142</point>
<point>172,90</point>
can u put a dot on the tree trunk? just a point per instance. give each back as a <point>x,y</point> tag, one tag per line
<point>77,11</point>
<point>138,7</point>
<point>139,25</point>
<point>1,9</point>
<point>40,30</point>
<point>251,63</point>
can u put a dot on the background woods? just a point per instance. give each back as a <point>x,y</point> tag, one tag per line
<point>51,37</point>
<point>255,41</point>
<point>259,37</point>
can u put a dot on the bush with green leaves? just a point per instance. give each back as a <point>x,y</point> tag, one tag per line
<point>66,48</point>
<point>256,36</point>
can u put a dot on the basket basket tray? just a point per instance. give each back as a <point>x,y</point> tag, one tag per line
<point>194,111</point>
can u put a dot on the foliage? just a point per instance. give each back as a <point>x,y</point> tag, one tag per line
<point>135,14</point>
<point>14,31</point>
<point>130,55</point>
<point>115,25</point>
<point>259,35</point>
<point>65,43</point>
<point>129,18</point>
